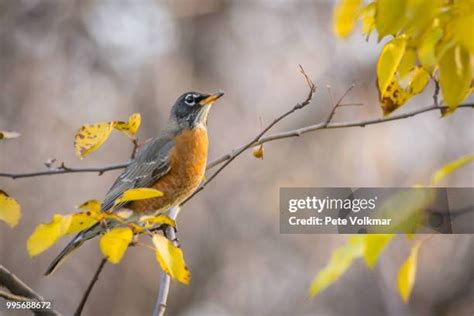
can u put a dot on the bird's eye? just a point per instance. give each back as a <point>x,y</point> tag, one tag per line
<point>190,100</point>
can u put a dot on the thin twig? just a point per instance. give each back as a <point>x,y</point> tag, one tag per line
<point>322,126</point>
<point>223,158</point>
<point>165,279</point>
<point>256,139</point>
<point>19,289</point>
<point>135,147</point>
<point>89,288</point>
<point>436,91</point>
<point>62,170</point>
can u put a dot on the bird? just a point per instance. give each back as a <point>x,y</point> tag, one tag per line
<point>174,163</point>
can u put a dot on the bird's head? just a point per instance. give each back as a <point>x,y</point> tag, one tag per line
<point>191,109</point>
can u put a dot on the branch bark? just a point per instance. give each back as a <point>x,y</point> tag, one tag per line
<point>62,170</point>
<point>19,289</point>
<point>235,153</point>
<point>88,291</point>
<point>323,125</point>
<point>165,279</point>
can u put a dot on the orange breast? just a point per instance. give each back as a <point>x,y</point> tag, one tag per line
<point>188,164</point>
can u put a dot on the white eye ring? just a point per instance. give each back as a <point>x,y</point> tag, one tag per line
<point>190,99</point>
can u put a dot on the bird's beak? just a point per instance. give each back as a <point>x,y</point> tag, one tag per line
<point>211,99</point>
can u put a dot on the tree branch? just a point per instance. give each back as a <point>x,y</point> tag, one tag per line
<point>88,291</point>
<point>292,133</point>
<point>235,153</point>
<point>19,289</point>
<point>165,279</point>
<point>62,170</point>
<point>323,125</point>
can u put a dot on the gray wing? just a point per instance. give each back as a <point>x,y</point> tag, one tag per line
<point>150,164</point>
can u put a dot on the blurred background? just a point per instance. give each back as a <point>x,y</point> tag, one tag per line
<point>67,63</point>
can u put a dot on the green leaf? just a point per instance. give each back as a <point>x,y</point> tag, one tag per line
<point>389,61</point>
<point>374,245</point>
<point>345,16</point>
<point>390,16</point>
<point>341,260</point>
<point>455,76</point>
<point>407,273</point>
<point>448,168</point>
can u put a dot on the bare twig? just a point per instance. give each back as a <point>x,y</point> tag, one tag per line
<point>88,291</point>
<point>21,290</point>
<point>322,126</point>
<point>135,147</point>
<point>436,91</point>
<point>335,105</point>
<point>269,138</point>
<point>165,279</point>
<point>62,170</point>
<point>256,139</point>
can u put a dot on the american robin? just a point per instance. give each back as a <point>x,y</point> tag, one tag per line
<point>173,163</point>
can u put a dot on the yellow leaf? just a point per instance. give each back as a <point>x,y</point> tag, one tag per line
<point>389,61</point>
<point>407,210</point>
<point>463,31</point>
<point>131,127</point>
<point>114,243</point>
<point>407,273</point>
<point>345,15</point>
<point>340,261</point>
<point>390,16</point>
<point>374,245</point>
<point>138,194</point>
<point>419,80</point>
<point>455,76</point>
<point>81,221</point>
<point>90,205</point>
<point>419,14</point>
<point>8,135</point>
<point>441,173</point>
<point>367,16</point>
<point>171,259</point>
<point>90,137</point>
<point>10,210</point>
<point>395,96</point>
<point>408,62</point>
<point>46,235</point>
<point>160,219</point>
<point>426,47</point>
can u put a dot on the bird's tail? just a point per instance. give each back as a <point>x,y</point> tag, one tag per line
<point>75,243</point>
